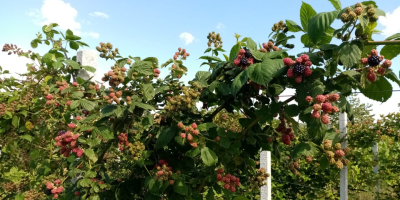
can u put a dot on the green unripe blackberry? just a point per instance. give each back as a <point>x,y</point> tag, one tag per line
<point>344,17</point>
<point>337,146</point>
<point>373,18</point>
<point>352,16</point>
<point>371,12</point>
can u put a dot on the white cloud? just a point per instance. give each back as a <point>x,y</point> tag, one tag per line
<point>91,34</point>
<point>187,37</point>
<point>99,14</point>
<point>220,26</point>
<point>391,22</point>
<point>62,13</point>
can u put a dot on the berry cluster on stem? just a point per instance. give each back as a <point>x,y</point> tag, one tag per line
<point>68,141</point>
<point>324,103</point>
<point>122,140</point>
<point>54,188</point>
<point>164,172</point>
<point>373,61</point>
<point>230,182</point>
<point>244,58</point>
<point>189,132</point>
<point>299,68</point>
<point>287,132</point>
<point>336,156</point>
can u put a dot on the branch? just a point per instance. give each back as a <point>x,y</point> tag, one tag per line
<point>386,42</point>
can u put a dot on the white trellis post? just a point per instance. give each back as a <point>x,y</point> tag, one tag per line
<point>376,168</point>
<point>265,162</point>
<point>343,172</point>
<point>85,58</point>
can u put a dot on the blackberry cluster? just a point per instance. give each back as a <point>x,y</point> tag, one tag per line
<point>279,26</point>
<point>181,52</point>
<point>106,50</point>
<point>323,103</point>
<point>122,140</point>
<point>244,58</point>
<point>258,180</point>
<point>287,132</point>
<point>267,47</point>
<point>189,130</point>
<point>335,155</point>
<point>187,101</point>
<point>294,166</point>
<point>47,191</point>
<point>136,149</point>
<point>164,172</point>
<point>214,39</point>
<point>298,68</point>
<point>230,182</point>
<point>373,61</point>
<point>115,76</point>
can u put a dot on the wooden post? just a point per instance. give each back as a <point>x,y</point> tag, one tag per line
<point>343,172</point>
<point>265,162</point>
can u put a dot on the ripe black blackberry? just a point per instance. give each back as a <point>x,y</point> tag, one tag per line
<point>298,68</point>
<point>247,54</point>
<point>373,61</point>
<point>244,61</point>
<point>47,191</point>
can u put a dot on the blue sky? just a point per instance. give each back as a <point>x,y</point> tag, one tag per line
<point>153,28</point>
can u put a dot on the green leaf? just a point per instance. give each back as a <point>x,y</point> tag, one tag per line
<point>251,44</point>
<point>144,106</point>
<point>58,65</point>
<point>225,142</point>
<point>143,67</point>
<point>234,52</point>
<point>108,110</point>
<point>148,91</point>
<point>395,36</point>
<point>203,75</point>
<point>34,43</point>
<point>181,188</point>
<point>363,19</point>
<point>91,155</point>
<point>87,105</point>
<point>165,137</point>
<point>331,67</point>
<point>206,126</point>
<point>306,13</point>
<point>210,194</point>
<point>292,110</point>
<point>275,89</point>
<point>316,129</point>
<point>350,54</point>
<point>26,137</point>
<point>319,24</point>
<point>207,50</point>
<point>332,136</point>
<point>208,156</point>
<point>264,72</point>
<point>193,152</point>
<point>74,104</point>
<point>392,76</point>
<point>241,79</point>
<point>336,4</point>
<point>390,51</point>
<point>73,64</point>
<point>304,149</point>
<point>240,198</point>
<point>214,58</point>
<point>274,54</point>
<point>89,68</point>
<point>382,85</point>
<point>15,121</point>
<point>74,45</point>
<point>293,26</point>
<point>104,131</point>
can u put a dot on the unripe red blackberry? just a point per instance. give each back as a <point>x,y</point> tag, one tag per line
<point>217,138</point>
<point>194,125</point>
<point>309,99</point>
<point>72,126</point>
<point>286,139</point>
<point>316,114</point>
<point>317,107</point>
<point>287,61</point>
<point>290,73</point>
<point>269,139</point>
<point>364,61</point>
<point>335,109</point>
<point>180,125</point>
<point>227,186</point>
<point>334,97</point>
<point>309,159</point>
<point>371,77</point>
<point>381,70</point>
<point>325,119</point>
<point>183,135</point>
<point>196,132</point>
<point>77,193</point>
<point>308,63</point>
<point>299,79</point>
<point>320,98</point>
<point>299,60</point>
<point>339,153</point>
<point>326,107</point>
<point>171,182</point>
<point>232,189</point>
<point>358,11</point>
<point>387,63</point>
<point>307,71</point>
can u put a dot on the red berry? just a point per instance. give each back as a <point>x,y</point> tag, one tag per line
<point>157,71</point>
<point>381,58</point>
<point>59,189</point>
<point>49,97</point>
<point>101,182</point>
<point>335,109</point>
<point>58,181</point>
<point>299,60</point>
<point>291,135</point>
<point>220,171</point>
<point>364,61</point>
<point>54,191</point>
<point>189,137</point>
<point>193,144</point>
<point>298,79</point>
<point>339,153</point>
<point>320,98</point>
<point>196,132</point>
<point>194,125</point>
<point>307,71</point>
<point>123,69</point>
<point>171,182</point>
<point>183,135</point>
<point>308,64</point>
<point>75,84</point>
<point>242,51</point>
<point>232,189</point>
<point>180,125</point>
<point>304,57</point>
<point>371,77</point>
<point>68,103</point>
<point>286,139</point>
<point>287,61</point>
<point>78,118</point>
<point>161,162</point>
<point>72,126</point>
<point>49,186</point>
<point>290,73</point>
<point>236,61</point>
<point>110,73</point>
<point>217,138</point>
<point>77,193</point>
<point>80,152</point>
<point>219,177</point>
<point>227,186</point>
<point>269,139</point>
<point>381,70</point>
<point>374,52</point>
<point>387,63</point>
<point>55,196</point>
<point>316,114</point>
<point>309,99</point>
<point>326,107</point>
<point>325,119</point>
<point>334,97</point>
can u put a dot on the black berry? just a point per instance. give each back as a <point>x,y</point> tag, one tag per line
<point>373,61</point>
<point>247,54</point>
<point>61,132</point>
<point>47,191</point>
<point>244,61</point>
<point>298,69</point>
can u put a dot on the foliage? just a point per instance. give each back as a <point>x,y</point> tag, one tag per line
<point>144,138</point>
